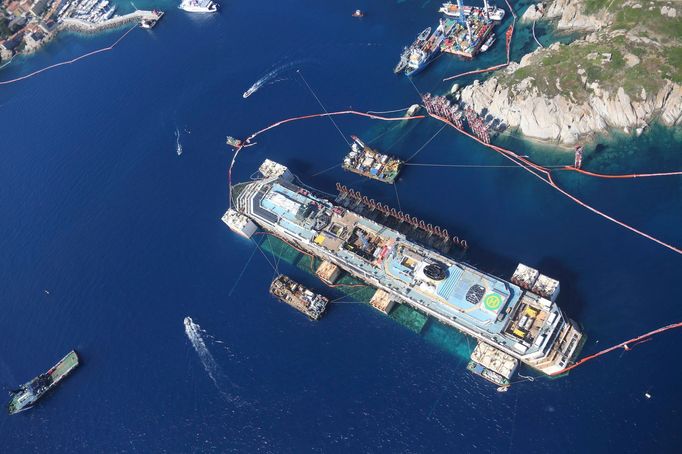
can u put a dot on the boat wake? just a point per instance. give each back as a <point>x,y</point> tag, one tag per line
<point>271,77</point>
<point>178,145</point>
<point>195,334</point>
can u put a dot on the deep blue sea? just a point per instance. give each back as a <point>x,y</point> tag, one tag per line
<point>109,239</point>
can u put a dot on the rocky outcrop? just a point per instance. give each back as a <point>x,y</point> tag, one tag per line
<point>562,120</point>
<point>533,12</point>
<point>570,15</point>
<point>568,115</point>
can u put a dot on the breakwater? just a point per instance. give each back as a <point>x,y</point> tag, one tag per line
<point>81,26</point>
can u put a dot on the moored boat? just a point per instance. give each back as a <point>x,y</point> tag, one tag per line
<point>488,43</point>
<point>452,10</point>
<point>198,6</point>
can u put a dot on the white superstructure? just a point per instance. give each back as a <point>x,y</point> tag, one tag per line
<point>198,6</point>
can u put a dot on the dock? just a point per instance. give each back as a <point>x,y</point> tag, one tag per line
<point>82,26</point>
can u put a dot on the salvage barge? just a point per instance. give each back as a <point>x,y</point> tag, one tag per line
<point>297,296</point>
<point>369,163</point>
<point>518,318</point>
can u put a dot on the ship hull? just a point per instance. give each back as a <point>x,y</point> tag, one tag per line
<point>422,66</point>
<point>262,203</point>
<point>27,395</point>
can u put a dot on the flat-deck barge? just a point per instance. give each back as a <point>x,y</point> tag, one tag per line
<point>519,318</point>
<point>369,163</point>
<point>297,296</point>
<point>465,39</point>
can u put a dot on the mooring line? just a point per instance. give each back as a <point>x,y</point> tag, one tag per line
<point>241,273</point>
<point>425,144</point>
<point>323,108</point>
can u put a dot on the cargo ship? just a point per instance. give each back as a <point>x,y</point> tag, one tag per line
<point>423,54</point>
<point>297,296</point>
<point>29,393</point>
<point>519,318</point>
<point>369,163</point>
<point>453,10</point>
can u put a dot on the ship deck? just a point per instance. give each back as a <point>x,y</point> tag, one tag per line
<point>65,366</point>
<point>476,301</point>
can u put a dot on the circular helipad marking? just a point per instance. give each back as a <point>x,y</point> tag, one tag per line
<point>492,301</point>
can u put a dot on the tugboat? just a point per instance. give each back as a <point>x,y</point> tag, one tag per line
<point>29,393</point>
<point>369,163</point>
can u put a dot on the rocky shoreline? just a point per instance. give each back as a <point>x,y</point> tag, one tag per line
<point>613,82</point>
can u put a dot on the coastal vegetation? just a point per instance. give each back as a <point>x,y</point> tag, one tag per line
<point>624,70</point>
<point>639,49</point>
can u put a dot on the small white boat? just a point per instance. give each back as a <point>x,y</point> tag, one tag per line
<point>488,43</point>
<point>414,108</point>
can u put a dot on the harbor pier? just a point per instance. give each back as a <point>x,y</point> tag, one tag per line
<point>82,26</point>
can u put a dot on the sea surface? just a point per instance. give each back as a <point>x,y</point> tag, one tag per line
<point>110,238</point>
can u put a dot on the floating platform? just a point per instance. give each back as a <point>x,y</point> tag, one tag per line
<point>369,163</point>
<point>299,297</point>
<point>466,40</point>
<point>492,364</point>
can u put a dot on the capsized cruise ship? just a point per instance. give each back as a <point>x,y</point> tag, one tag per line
<point>519,317</point>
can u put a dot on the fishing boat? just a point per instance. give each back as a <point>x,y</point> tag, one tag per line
<point>358,13</point>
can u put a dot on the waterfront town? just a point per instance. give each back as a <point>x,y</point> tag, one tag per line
<point>26,25</point>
